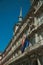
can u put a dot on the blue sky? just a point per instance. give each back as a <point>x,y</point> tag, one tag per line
<point>9,12</point>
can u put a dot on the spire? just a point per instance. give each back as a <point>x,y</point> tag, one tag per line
<point>21,12</point>
<point>20,16</point>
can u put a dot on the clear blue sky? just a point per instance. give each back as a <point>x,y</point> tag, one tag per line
<point>9,12</point>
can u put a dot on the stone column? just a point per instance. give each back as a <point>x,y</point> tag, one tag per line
<point>35,21</point>
<point>41,39</point>
<point>36,38</point>
<point>38,62</point>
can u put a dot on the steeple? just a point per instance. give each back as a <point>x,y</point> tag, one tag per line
<point>20,16</point>
<point>19,22</point>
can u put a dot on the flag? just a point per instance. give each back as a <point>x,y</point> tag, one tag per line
<point>23,39</point>
<point>26,44</point>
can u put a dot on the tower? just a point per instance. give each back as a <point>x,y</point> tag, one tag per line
<point>19,21</point>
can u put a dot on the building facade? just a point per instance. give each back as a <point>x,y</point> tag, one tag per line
<point>32,28</point>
